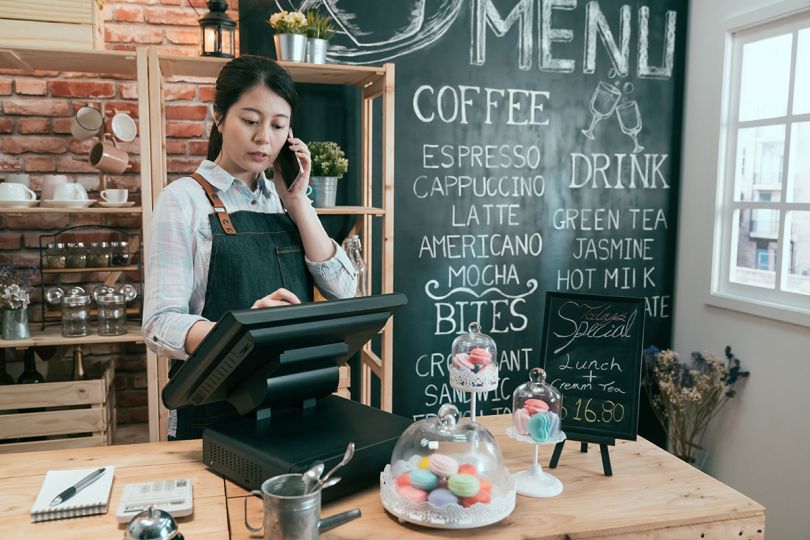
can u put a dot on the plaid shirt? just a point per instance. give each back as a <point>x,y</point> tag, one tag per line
<point>179,251</point>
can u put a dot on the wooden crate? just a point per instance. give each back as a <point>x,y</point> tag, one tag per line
<point>59,24</point>
<point>70,414</point>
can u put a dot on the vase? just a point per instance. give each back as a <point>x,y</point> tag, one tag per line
<point>324,191</point>
<point>316,50</point>
<point>15,324</point>
<point>290,47</point>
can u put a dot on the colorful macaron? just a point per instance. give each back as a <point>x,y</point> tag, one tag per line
<point>442,465</point>
<point>467,469</point>
<point>423,463</point>
<point>403,480</point>
<point>482,497</point>
<point>442,497</point>
<point>480,356</point>
<point>520,419</point>
<point>553,424</point>
<point>464,485</point>
<point>538,427</point>
<point>534,406</point>
<point>462,361</point>
<point>423,479</point>
<point>416,495</point>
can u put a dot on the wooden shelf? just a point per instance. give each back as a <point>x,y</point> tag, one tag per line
<point>189,66</point>
<point>53,336</point>
<point>351,210</point>
<point>93,210</point>
<point>131,268</point>
<point>86,61</point>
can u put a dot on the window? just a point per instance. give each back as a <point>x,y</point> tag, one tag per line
<point>762,240</point>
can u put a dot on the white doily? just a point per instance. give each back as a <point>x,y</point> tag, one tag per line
<point>469,381</point>
<point>452,516</point>
<point>513,433</point>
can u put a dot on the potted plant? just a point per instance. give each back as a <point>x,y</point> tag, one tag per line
<point>290,38</point>
<point>329,164</point>
<point>15,289</point>
<point>685,396</point>
<point>319,30</point>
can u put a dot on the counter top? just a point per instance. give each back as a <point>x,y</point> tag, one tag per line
<point>650,495</point>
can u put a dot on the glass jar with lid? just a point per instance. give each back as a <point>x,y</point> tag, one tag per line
<point>55,255</point>
<point>99,255</point>
<point>447,474</point>
<point>119,253</point>
<point>75,315</point>
<point>112,314</point>
<point>75,255</point>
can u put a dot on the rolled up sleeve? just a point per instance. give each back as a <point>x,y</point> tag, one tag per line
<point>335,277</point>
<point>169,279</point>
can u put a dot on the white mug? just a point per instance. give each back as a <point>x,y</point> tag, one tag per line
<point>86,123</point>
<point>70,192</point>
<point>19,178</point>
<point>123,127</point>
<point>50,183</point>
<point>16,192</point>
<point>115,195</point>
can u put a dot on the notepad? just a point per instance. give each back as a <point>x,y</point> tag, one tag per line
<point>91,500</point>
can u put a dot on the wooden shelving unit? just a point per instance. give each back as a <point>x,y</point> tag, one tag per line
<point>52,336</point>
<point>374,83</point>
<point>92,210</point>
<point>130,268</point>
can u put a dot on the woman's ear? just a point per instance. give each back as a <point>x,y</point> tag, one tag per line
<point>217,116</point>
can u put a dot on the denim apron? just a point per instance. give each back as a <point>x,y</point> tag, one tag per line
<point>252,255</point>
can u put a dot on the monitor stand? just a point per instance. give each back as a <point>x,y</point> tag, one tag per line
<point>249,451</point>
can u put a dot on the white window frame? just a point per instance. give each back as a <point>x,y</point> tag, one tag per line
<point>774,303</point>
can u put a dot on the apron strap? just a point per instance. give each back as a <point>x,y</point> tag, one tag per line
<point>216,202</point>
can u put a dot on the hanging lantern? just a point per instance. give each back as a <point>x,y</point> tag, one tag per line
<point>217,31</point>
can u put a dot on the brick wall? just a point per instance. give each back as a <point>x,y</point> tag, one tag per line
<point>35,138</point>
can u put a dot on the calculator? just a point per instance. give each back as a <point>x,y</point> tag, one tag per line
<point>173,496</point>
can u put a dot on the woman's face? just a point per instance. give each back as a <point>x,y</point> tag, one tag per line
<point>253,132</point>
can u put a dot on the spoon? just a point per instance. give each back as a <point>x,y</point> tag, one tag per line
<point>312,475</point>
<point>331,482</point>
<point>346,458</point>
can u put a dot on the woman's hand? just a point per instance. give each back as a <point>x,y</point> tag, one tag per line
<point>279,297</point>
<point>297,192</point>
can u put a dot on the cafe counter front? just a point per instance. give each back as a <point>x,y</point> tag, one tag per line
<point>651,494</point>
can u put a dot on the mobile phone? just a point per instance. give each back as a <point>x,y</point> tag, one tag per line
<point>289,165</point>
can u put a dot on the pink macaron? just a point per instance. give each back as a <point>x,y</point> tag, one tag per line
<point>462,361</point>
<point>442,465</point>
<point>520,419</point>
<point>534,406</point>
<point>416,495</point>
<point>480,356</point>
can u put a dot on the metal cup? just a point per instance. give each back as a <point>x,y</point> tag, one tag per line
<point>292,514</point>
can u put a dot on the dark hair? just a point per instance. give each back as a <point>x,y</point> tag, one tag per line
<point>241,74</point>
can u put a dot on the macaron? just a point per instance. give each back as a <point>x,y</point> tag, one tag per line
<point>486,485</point>
<point>482,497</point>
<point>467,469</point>
<point>403,480</point>
<point>416,495</point>
<point>520,419</point>
<point>442,497</point>
<point>553,424</point>
<point>423,479</point>
<point>423,463</point>
<point>442,465</point>
<point>480,356</point>
<point>464,485</point>
<point>538,427</point>
<point>534,406</point>
<point>462,361</point>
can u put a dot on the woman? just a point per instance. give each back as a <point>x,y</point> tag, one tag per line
<point>221,240</point>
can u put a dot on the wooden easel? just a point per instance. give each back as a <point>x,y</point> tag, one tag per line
<point>603,443</point>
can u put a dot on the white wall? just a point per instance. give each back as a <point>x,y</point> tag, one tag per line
<point>760,445</point>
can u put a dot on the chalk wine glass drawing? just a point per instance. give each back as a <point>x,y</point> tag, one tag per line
<point>630,122</point>
<point>410,25</point>
<point>606,100</point>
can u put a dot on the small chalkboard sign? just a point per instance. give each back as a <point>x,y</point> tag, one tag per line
<point>592,347</point>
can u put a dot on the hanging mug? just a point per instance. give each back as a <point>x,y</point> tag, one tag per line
<point>107,158</point>
<point>86,123</point>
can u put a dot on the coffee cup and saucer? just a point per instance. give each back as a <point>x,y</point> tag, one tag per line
<point>70,195</point>
<point>115,198</point>
<point>15,194</point>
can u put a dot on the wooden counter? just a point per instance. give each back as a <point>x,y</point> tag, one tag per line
<point>650,495</point>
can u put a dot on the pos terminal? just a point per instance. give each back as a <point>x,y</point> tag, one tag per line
<point>278,367</point>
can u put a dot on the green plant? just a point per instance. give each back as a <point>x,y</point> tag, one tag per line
<point>16,286</point>
<point>288,22</point>
<point>319,26</point>
<point>327,159</point>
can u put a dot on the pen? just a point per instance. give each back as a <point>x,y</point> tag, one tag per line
<point>80,485</point>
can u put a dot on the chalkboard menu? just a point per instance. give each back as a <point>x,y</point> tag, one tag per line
<point>536,150</point>
<point>592,349</point>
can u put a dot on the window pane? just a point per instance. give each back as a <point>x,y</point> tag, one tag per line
<point>800,162</point>
<point>756,242</point>
<point>765,78</point>
<point>760,164</point>
<point>801,93</point>
<point>798,264</point>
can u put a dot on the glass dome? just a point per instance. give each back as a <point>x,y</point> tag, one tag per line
<point>536,408</point>
<point>474,362</point>
<point>447,474</point>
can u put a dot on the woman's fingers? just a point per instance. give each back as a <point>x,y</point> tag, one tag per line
<point>285,295</point>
